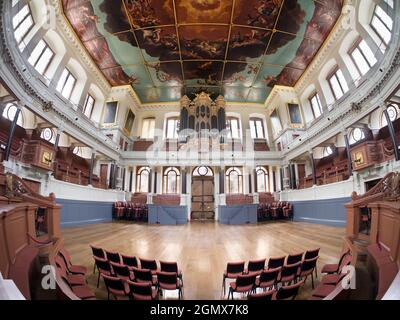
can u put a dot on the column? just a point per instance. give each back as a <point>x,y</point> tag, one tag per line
<point>290,176</point>
<point>392,133</point>
<point>314,173</point>
<point>222,180</point>
<point>269,134</point>
<point>150,186</point>
<point>123,173</point>
<point>91,166</point>
<point>11,132</point>
<point>57,141</point>
<point>183,181</point>
<point>350,164</point>
<point>296,175</point>
<point>281,174</point>
<point>111,177</point>
<point>274,186</point>
<point>130,179</point>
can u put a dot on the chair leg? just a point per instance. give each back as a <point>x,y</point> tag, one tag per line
<point>312,280</point>
<point>98,280</point>
<point>94,268</point>
<point>223,285</point>
<point>316,272</point>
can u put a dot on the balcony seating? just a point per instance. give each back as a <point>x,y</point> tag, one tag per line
<point>274,211</point>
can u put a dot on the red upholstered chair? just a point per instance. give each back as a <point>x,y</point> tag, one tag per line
<point>268,278</point>
<point>99,253</point>
<point>288,292</point>
<point>142,291</point>
<point>75,269</point>
<point>288,211</point>
<point>149,264</point>
<point>233,270</point>
<point>289,273</point>
<point>81,291</point>
<point>129,261</point>
<point>116,287</point>
<point>144,276</point>
<point>137,211</point>
<point>128,210</point>
<point>71,279</point>
<point>145,212</point>
<point>294,258</point>
<point>276,262</point>
<point>242,284</point>
<point>118,210</point>
<point>171,267</point>
<point>169,281</point>
<point>307,269</point>
<point>260,211</point>
<point>121,271</point>
<point>255,266</point>
<point>104,268</point>
<point>264,296</point>
<point>334,278</point>
<point>334,267</point>
<point>311,254</point>
<point>113,256</point>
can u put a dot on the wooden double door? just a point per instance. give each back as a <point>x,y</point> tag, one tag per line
<point>202,198</point>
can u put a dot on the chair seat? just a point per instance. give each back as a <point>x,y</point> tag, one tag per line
<point>83,292</point>
<point>170,286</point>
<point>264,284</point>
<point>324,290</point>
<point>232,275</point>
<point>331,278</point>
<point>287,278</point>
<point>76,279</point>
<point>240,289</point>
<point>143,297</point>
<point>255,273</point>
<point>77,269</point>
<point>315,298</point>
<point>330,268</point>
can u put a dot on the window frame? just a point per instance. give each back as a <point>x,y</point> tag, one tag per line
<point>374,14</point>
<point>265,172</point>
<point>350,52</point>
<point>40,56</point>
<point>88,95</point>
<point>141,131</point>
<point>139,173</point>
<point>239,128</point>
<point>318,99</point>
<point>176,124</point>
<point>352,140</point>
<point>70,74</point>
<point>23,37</point>
<point>228,173</point>
<point>254,120</point>
<point>166,177</point>
<point>332,74</point>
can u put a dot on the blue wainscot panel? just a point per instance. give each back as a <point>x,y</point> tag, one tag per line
<point>329,211</point>
<point>237,214</point>
<point>163,214</point>
<point>77,212</point>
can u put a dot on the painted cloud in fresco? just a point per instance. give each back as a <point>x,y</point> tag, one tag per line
<point>240,51</point>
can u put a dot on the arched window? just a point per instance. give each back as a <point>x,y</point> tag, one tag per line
<point>48,134</point>
<point>356,135</point>
<point>327,151</point>
<point>262,179</point>
<point>202,172</point>
<point>142,179</point>
<point>171,180</point>
<point>393,111</point>
<point>78,151</point>
<point>10,111</point>
<point>234,180</point>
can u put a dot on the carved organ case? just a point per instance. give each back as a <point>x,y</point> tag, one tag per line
<point>202,113</point>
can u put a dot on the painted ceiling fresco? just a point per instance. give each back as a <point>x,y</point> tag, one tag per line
<point>168,48</point>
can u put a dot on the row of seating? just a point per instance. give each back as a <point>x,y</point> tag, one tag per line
<point>274,211</point>
<point>127,210</point>
<point>334,274</point>
<point>125,276</point>
<point>73,275</point>
<point>279,272</point>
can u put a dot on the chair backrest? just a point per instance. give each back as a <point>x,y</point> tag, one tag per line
<point>113,256</point>
<point>65,255</point>
<point>120,269</point>
<point>309,265</point>
<point>245,280</point>
<point>310,254</point>
<point>345,262</point>
<point>61,265</point>
<point>264,296</point>
<point>98,252</point>
<point>167,277</point>
<point>269,275</point>
<point>102,264</point>
<point>142,289</point>
<point>294,258</point>
<point>142,274</point>
<point>289,292</point>
<point>290,269</point>
<point>114,283</point>
<point>235,267</point>
<point>148,264</point>
<point>256,265</point>
<point>169,266</point>
<point>129,261</point>
<point>276,262</point>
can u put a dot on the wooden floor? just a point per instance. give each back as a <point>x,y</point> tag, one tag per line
<point>203,249</point>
